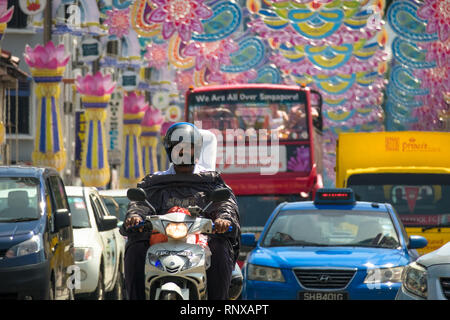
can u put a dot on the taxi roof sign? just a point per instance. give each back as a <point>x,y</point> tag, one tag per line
<point>334,196</point>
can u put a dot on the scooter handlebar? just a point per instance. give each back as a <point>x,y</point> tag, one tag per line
<point>230,228</point>
<point>135,228</point>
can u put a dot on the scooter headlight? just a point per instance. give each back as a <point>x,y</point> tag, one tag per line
<point>153,259</point>
<point>192,261</point>
<point>176,230</point>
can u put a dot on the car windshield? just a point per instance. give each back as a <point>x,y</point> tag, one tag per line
<point>19,199</point>
<point>80,215</point>
<point>332,228</point>
<point>123,206</point>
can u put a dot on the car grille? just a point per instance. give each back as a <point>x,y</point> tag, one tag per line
<point>445,284</point>
<point>324,278</point>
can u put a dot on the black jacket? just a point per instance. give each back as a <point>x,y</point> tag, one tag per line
<point>166,191</point>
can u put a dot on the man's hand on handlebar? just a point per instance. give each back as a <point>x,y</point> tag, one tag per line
<point>133,221</point>
<point>221,225</point>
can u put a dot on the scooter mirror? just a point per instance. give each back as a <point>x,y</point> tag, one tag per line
<point>136,194</point>
<point>220,195</point>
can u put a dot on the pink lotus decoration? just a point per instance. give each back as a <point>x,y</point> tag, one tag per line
<point>165,126</point>
<point>46,57</point>
<point>95,85</point>
<point>152,117</point>
<point>182,16</point>
<point>5,13</point>
<point>134,104</point>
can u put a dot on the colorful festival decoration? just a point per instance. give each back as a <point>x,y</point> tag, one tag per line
<point>151,126</point>
<point>156,55</point>
<point>335,47</point>
<point>32,7</point>
<point>180,16</point>
<point>95,93</point>
<point>118,22</point>
<point>2,132</point>
<point>47,64</point>
<point>131,169</point>
<point>419,82</point>
<point>5,16</point>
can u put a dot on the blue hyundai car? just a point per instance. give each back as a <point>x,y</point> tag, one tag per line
<point>332,248</point>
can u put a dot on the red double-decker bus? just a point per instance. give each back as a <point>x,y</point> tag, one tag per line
<point>269,143</point>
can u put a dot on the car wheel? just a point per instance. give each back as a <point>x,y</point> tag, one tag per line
<point>51,291</point>
<point>99,293</point>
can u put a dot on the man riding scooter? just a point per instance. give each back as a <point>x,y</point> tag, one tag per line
<point>186,183</point>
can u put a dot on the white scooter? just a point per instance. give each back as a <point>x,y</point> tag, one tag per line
<point>176,269</point>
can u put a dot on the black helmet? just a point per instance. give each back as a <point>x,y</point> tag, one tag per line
<point>183,132</point>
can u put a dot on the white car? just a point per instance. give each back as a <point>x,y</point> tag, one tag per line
<point>428,278</point>
<point>99,247</point>
<point>116,201</point>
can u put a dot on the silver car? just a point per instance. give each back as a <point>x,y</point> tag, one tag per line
<point>428,277</point>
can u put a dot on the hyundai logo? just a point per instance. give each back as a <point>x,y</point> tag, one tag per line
<point>324,278</point>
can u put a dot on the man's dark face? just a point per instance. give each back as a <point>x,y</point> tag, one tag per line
<point>184,168</point>
<point>182,157</point>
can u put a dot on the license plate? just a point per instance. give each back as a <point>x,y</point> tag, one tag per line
<point>323,296</point>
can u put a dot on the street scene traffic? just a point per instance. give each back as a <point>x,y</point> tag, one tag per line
<point>236,150</point>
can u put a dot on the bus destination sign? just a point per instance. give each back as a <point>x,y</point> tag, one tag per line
<point>246,96</point>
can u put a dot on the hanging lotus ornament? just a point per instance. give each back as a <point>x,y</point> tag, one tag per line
<point>151,125</point>
<point>131,171</point>
<point>47,64</point>
<point>95,93</point>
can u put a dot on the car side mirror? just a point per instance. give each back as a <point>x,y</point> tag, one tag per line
<point>417,242</point>
<point>108,223</point>
<point>248,240</point>
<point>136,194</point>
<point>62,219</point>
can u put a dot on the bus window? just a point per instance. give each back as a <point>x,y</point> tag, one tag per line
<point>289,119</point>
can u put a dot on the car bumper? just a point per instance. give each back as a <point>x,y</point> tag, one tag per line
<point>89,271</point>
<point>25,282</point>
<point>403,294</point>
<point>260,290</point>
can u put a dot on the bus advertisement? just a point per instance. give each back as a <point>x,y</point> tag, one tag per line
<point>409,169</point>
<point>268,143</point>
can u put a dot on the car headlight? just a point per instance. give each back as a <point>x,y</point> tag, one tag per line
<point>414,279</point>
<point>261,273</point>
<point>176,230</point>
<point>83,254</point>
<point>32,245</point>
<point>384,275</point>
